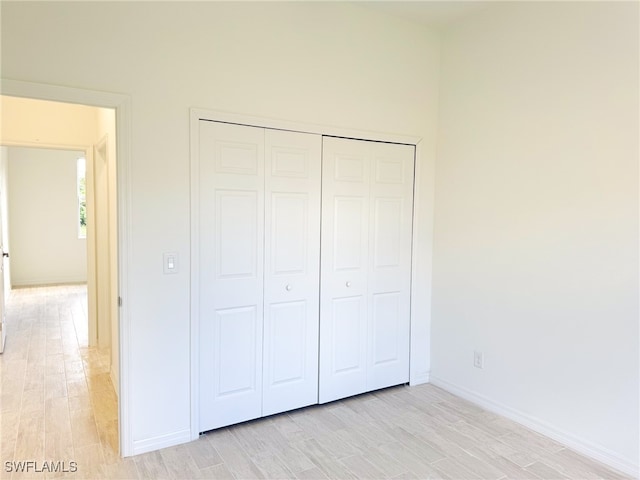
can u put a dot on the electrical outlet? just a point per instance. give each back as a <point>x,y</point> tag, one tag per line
<point>478,359</point>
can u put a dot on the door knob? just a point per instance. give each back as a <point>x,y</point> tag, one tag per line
<point>348,284</point>
<point>288,288</point>
<point>5,254</point>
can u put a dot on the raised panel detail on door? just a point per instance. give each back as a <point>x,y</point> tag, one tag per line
<point>230,201</point>
<point>349,234</point>
<point>292,254</point>
<point>350,168</point>
<point>389,170</point>
<point>387,232</point>
<point>347,323</point>
<point>388,358</point>
<point>386,325</point>
<point>286,337</point>
<point>235,347</point>
<point>343,346</point>
<point>233,374</point>
<point>290,161</point>
<point>237,233</point>
<point>289,236</point>
<point>239,158</point>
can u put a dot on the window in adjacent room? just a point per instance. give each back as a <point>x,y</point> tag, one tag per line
<point>81,187</point>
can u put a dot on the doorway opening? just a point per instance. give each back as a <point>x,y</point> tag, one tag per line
<point>62,274</point>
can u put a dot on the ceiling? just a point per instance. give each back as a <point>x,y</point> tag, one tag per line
<point>430,13</point>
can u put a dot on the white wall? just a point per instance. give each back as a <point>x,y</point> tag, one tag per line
<point>324,63</point>
<point>536,230</point>
<point>43,217</point>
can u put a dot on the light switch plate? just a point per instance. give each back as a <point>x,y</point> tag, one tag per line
<point>170,262</point>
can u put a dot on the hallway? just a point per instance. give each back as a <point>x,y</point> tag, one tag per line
<point>58,403</point>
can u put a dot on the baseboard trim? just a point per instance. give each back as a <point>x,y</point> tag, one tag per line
<point>419,378</point>
<point>55,282</point>
<point>578,444</point>
<point>161,441</point>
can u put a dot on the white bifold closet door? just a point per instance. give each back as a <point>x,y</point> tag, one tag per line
<point>367,209</point>
<point>258,245</point>
<point>292,270</point>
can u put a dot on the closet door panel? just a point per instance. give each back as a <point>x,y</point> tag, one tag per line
<point>387,232</point>
<point>287,338</point>
<point>236,234</point>
<point>390,265</point>
<point>343,292</point>
<point>289,241</point>
<point>349,235</point>
<point>292,249</point>
<point>230,245</point>
<point>347,319</point>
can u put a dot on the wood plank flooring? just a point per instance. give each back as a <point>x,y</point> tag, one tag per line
<point>58,405</point>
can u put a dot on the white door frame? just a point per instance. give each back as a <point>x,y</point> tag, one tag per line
<point>418,346</point>
<point>122,105</point>
<point>103,311</point>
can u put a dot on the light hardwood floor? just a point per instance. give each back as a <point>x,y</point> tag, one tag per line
<point>58,404</point>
